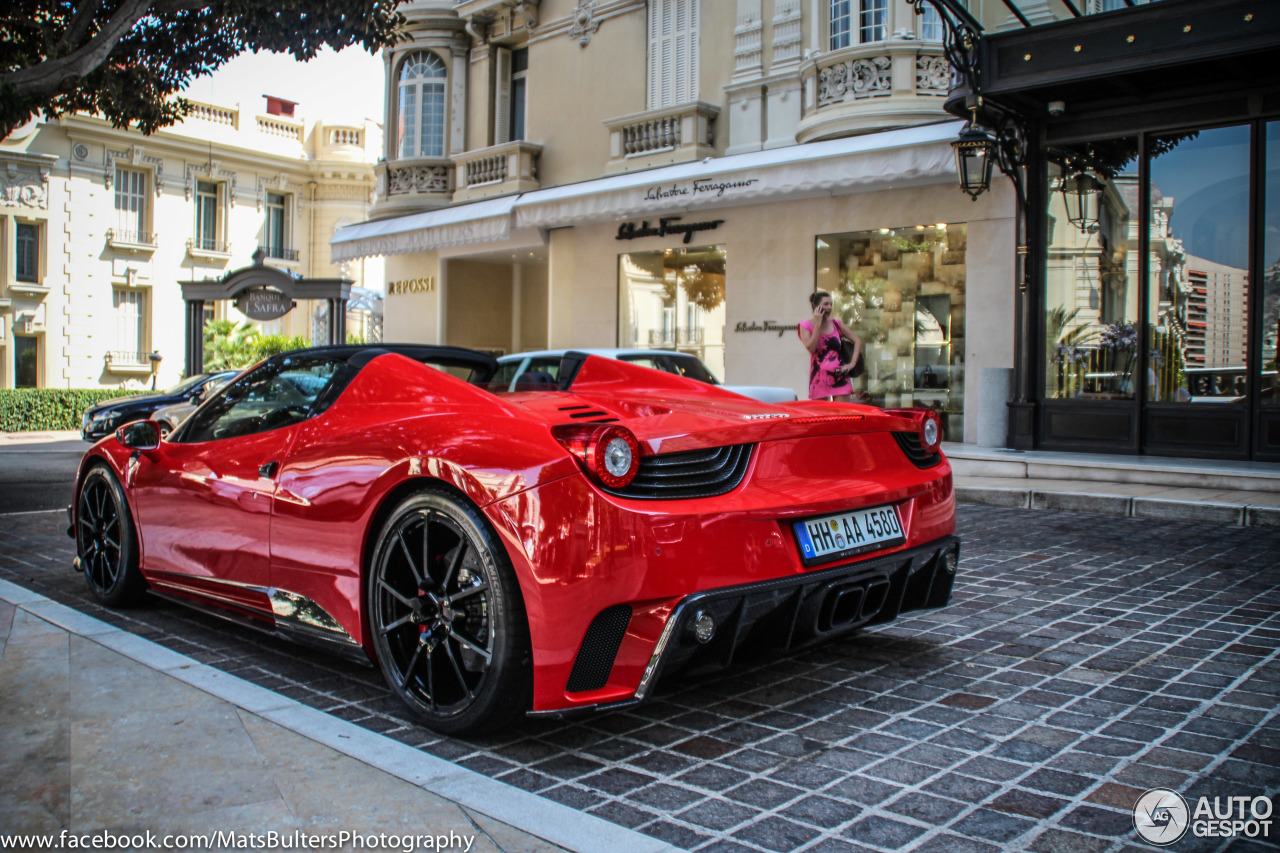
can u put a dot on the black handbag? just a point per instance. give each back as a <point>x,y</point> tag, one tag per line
<point>846,356</point>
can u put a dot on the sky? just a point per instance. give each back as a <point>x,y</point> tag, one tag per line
<point>339,87</point>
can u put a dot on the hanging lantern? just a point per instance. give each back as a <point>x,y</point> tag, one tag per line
<point>1082,194</point>
<point>975,154</point>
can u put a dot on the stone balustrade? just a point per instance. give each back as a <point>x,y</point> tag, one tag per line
<point>657,137</point>
<point>869,87</point>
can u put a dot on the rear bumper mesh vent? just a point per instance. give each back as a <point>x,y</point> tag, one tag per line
<point>913,446</point>
<point>595,657</point>
<point>689,474</point>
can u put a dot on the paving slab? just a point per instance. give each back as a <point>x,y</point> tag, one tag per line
<point>1083,656</point>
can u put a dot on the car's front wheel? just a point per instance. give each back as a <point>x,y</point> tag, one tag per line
<point>105,540</point>
<point>446,615</point>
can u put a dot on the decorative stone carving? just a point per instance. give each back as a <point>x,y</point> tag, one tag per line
<point>421,179</point>
<point>748,37</point>
<point>528,11</point>
<point>22,188</point>
<point>786,32</point>
<point>933,74</point>
<point>856,78</point>
<point>280,182</point>
<point>136,157</point>
<point>214,171</point>
<point>585,24</point>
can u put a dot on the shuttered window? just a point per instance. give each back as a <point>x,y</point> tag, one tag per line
<point>673,52</point>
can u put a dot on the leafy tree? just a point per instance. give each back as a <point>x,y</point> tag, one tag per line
<point>227,344</point>
<point>127,59</point>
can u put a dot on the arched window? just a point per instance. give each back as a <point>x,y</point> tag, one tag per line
<point>420,120</point>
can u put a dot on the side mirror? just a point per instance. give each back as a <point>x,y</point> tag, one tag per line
<point>196,398</point>
<point>139,435</point>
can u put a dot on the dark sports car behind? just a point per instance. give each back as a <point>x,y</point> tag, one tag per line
<point>105,417</point>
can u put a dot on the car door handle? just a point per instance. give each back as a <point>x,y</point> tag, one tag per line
<point>269,469</point>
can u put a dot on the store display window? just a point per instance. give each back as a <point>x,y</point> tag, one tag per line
<point>902,291</point>
<point>674,299</point>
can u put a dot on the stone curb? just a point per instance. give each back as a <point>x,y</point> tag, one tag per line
<point>551,821</point>
<point>1162,509</point>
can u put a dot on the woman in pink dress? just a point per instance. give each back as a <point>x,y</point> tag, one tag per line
<point>828,376</point>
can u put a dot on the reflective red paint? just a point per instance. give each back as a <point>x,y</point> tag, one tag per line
<point>214,528</point>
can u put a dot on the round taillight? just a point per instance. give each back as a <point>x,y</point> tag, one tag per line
<point>613,456</point>
<point>931,433</point>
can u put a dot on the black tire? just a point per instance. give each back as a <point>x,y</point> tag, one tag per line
<point>106,541</point>
<point>461,668</point>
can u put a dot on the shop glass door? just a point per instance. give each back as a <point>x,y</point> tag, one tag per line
<point>1267,438</point>
<point>1197,294</point>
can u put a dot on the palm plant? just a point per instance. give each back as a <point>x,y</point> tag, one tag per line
<point>228,344</point>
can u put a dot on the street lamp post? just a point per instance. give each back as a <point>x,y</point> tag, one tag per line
<point>155,358</point>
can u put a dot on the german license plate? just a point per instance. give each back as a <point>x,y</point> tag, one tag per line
<point>833,537</point>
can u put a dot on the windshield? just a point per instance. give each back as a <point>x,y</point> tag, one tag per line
<point>693,368</point>
<point>679,364</point>
<point>188,384</point>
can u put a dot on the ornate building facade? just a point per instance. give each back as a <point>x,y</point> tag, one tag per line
<point>100,226</point>
<point>682,174</point>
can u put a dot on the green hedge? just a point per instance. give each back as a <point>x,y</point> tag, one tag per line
<point>31,409</point>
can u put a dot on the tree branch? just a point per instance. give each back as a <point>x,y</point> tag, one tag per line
<point>45,79</point>
<point>79,26</point>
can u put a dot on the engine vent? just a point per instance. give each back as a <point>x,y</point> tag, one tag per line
<point>689,474</point>
<point>595,657</point>
<point>588,414</point>
<point>913,446</point>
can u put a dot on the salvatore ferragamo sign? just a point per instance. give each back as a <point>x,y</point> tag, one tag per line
<point>666,225</point>
<point>765,326</point>
<point>698,188</point>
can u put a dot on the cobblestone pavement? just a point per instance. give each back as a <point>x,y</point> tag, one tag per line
<point>1084,660</point>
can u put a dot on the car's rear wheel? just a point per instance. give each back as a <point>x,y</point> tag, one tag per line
<point>106,542</point>
<point>447,620</point>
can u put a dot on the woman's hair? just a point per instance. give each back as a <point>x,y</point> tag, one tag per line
<point>816,297</point>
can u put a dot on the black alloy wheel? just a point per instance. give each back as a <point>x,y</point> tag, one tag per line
<point>105,540</point>
<point>448,623</point>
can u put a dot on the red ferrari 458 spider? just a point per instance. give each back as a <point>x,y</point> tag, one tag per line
<point>542,551</point>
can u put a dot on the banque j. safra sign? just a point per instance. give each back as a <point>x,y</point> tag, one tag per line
<point>264,304</point>
<point>666,225</point>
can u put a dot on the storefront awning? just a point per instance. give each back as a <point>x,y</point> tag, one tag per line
<point>479,222</point>
<point>896,158</point>
<point>907,157</point>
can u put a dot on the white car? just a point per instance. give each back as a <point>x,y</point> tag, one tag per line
<point>544,367</point>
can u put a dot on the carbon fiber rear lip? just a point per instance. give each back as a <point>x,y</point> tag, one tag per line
<point>875,565</point>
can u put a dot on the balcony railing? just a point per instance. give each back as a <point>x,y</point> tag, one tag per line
<point>214,114</point>
<point>344,136</point>
<point>131,240</point>
<point>285,128</point>
<point>197,246</point>
<point>413,183</point>
<point>679,338</point>
<point>500,169</point>
<point>126,358</point>
<point>872,86</point>
<point>676,134</point>
<point>280,253</point>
